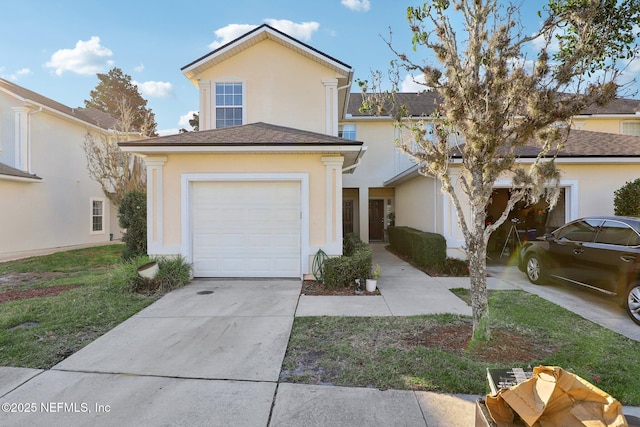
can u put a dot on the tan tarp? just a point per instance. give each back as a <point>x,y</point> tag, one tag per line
<point>555,397</point>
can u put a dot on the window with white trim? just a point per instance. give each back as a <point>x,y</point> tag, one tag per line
<point>347,132</point>
<point>97,216</point>
<point>229,104</point>
<point>631,128</point>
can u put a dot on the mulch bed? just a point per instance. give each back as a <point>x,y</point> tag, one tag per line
<point>13,295</point>
<point>311,287</point>
<point>24,279</point>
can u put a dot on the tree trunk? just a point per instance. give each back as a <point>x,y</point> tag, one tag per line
<point>478,277</point>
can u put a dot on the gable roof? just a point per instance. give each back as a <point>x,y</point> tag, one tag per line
<point>425,103</point>
<point>87,115</point>
<point>251,138</point>
<point>257,35</point>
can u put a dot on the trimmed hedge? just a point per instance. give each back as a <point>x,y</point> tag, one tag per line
<point>425,249</point>
<point>354,264</point>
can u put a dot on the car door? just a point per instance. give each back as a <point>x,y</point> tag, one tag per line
<point>566,249</point>
<point>607,261</point>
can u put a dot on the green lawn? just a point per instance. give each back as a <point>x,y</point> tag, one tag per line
<point>40,332</point>
<point>383,352</point>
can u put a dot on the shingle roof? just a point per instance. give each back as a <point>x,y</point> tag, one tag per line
<point>584,143</point>
<point>89,115</point>
<point>589,144</point>
<point>251,134</point>
<point>426,103</point>
<point>9,171</point>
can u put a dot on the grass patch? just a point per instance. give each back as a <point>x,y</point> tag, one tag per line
<point>420,352</point>
<point>40,332</point>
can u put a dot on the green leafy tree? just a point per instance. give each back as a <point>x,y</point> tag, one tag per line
<point>114,90</point>
<point>496,99</point>
<point>626,200</point>
<point>132,216</point>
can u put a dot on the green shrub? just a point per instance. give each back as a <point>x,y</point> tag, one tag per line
<point>626,199</point>
<point>355,264</point>
<point>132,215</point>
<point>173,273</point>
<point>425,249</point>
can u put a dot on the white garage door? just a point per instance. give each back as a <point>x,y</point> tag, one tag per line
<point>246,228</point>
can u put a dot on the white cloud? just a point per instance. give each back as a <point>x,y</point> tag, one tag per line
<point>229,33</point>
<point>88,57</point>
<point>139,68</point>
<point>303,30</point>
<point>413,84</point>
<point>184,119</point>
<point>357,5</point>
<point>153,89</point>
<point>167,132</point>
<point>15,76</point>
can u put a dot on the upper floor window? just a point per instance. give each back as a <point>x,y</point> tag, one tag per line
<point>631,128</point>
<point>347,131</point>
<point>229,104</point>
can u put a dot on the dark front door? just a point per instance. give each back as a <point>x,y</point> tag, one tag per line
<point>347,217</point>
<point>376,219</point>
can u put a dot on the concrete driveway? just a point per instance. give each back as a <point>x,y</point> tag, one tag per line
<point>208,354</point>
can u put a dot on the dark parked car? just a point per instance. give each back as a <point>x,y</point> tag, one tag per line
<point>601,253</point>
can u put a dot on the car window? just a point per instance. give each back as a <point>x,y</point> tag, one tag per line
<point>617,233</point>
<point>579,231</point>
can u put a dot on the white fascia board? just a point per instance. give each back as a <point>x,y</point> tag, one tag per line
<point>222,51</point>
<point>19,179</point>
<point>244,149</point>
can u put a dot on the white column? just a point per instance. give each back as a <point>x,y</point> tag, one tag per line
<point>22,148</point>
<point>333,204</point>
<point>155,222</point>
<point>331,106</point>
<point>207,105</point>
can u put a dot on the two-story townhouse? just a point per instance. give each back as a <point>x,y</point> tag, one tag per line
<point>601,155</point>
<point>257,191</point>
<point>47,198</point>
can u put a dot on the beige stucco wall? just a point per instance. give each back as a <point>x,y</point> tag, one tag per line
<point>282,86</point>
<point>378,164</point>
<point>55,212</point>
<point>177,165</point>
<point>599,124</point>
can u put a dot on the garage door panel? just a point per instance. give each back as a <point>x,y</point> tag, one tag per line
<point>246,229</point>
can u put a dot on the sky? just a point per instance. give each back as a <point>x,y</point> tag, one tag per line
<point>56,48</point>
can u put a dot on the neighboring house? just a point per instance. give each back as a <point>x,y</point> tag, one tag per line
<point>47,199</point>
<point>602,154</point>
<point>277,171</point>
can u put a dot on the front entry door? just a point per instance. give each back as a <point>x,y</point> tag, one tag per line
<point>347,217</point>
<point>376,219</point>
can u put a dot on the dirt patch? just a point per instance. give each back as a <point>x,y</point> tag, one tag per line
<point>506,346</point>
<point>13,295</point>
<point>26,279</point>
<point>311,287</point>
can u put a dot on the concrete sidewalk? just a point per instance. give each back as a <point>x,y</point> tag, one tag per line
<point>210,354</point>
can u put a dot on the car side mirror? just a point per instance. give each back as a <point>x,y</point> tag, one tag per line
<point>548,237</point>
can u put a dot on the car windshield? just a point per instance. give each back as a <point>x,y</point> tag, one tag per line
<point>583,230</point>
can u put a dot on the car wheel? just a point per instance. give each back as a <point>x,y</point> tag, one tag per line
<point>632,302</point>
<point>533,268</point>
